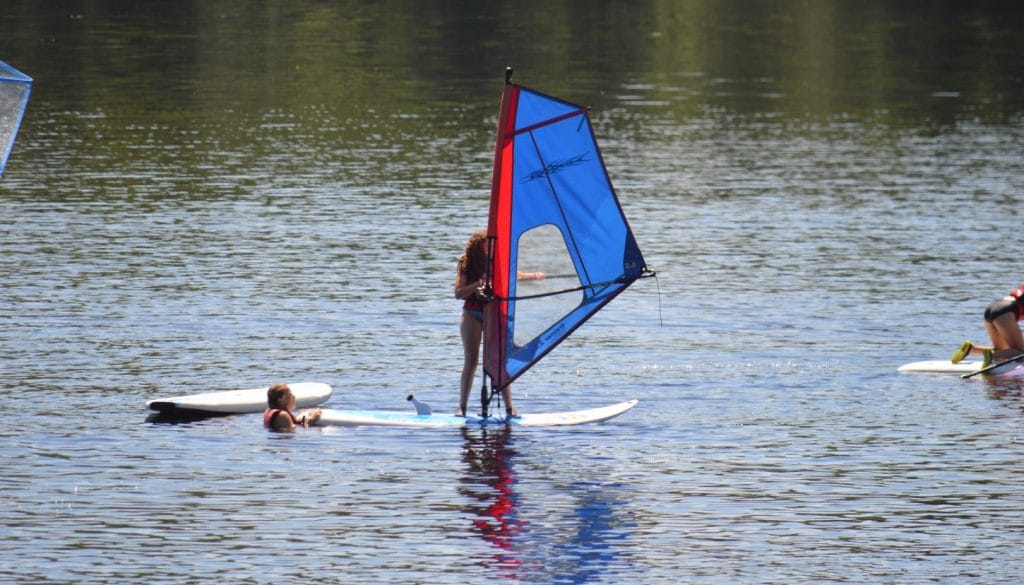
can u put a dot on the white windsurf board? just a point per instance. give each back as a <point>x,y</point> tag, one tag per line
<point>239,401</point>
<point>395,418</point>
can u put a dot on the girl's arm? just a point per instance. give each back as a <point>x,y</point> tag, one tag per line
<point>463,289</point>
<point>310,416</point>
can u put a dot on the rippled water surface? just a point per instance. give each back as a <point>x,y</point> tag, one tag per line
<point>219,199</point>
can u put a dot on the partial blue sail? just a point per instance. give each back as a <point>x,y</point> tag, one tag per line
<point>14,89</point>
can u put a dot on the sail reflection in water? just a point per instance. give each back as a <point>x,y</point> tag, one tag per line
<point>488,455</point>
<point>599,527</point>
<point>572,543</point>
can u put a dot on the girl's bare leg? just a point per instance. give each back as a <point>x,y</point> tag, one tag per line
<point>506,394</point>
<point>471,330</point>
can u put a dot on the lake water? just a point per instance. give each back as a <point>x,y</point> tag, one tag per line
<point>209,196</point>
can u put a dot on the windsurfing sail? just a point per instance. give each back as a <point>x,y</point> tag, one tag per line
<point>554,213</point>
<point>14,89</point>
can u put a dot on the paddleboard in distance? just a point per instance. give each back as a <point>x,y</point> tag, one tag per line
<point>239,401</point>
<point>396,418</point>
<point>966,367</point>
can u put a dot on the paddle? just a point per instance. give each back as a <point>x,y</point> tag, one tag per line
<point>994,366</point>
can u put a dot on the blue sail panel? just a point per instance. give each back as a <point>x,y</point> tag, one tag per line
<point>561,220</point>
<point>535,108</point>
<point>15,87</point>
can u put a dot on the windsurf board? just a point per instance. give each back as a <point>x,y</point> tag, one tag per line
<point>395,418</point>
<point>239,401</point>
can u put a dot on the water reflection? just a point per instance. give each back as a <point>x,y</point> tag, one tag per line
<point>579,533</point>
<point>1009,389</point>
<point>594,548</point>
<point>488,454</point>
<point>175,417</point>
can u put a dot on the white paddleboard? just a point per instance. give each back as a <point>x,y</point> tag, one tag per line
<point>942,367</point>
<point>395,418</point>
<point>965,367</point>
<point>239,401</point>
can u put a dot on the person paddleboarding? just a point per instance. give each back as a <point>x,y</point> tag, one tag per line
<point>1002,319</point>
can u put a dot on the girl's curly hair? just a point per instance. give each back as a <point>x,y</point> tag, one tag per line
<point>277,396</point>
<point>473,263</point>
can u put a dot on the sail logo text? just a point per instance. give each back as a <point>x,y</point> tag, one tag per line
<point>553,332</point>
<point>556,166</point>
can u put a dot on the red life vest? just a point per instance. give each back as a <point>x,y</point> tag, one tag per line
<point>1018,295</point>
<point>270,413</point>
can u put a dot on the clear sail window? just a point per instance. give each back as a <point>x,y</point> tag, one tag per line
<point>543,266</point>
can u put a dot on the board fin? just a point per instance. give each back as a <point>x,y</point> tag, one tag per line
<point>421,408</point>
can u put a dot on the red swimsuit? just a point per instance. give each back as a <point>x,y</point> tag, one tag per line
<point>473,302</point>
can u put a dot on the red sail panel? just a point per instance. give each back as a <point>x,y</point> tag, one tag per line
<point>498,231</point>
